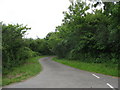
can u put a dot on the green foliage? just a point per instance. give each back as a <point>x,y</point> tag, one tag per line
<point>14,51</point>
<point>85,35</point>
<point>39,46</point>
<point>52,40</point>
<point>25,53</point>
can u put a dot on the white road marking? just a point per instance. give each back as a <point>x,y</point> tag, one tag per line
<point>110,85</point>
<point>95,76</point>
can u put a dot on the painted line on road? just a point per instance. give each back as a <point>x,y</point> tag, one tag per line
<point>95,76</point>
<point>110,86</point>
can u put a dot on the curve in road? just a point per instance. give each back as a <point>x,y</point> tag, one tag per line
<point>56,75</point>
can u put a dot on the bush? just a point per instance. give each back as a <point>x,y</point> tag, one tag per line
<point>14,51</point>
<point>25,53</point>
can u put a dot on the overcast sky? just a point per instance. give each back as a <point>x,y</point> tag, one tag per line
<point>41,15</point>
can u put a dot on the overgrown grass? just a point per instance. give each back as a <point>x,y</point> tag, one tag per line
<point>27,70</point>
<point>103,68</point>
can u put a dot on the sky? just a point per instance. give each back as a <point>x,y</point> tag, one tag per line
<point>41,15</point>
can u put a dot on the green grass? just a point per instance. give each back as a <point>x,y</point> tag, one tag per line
<point>106,68</point>
<point>25,71</point>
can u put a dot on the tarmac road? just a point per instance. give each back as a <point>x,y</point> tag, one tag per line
<point>56,75</point>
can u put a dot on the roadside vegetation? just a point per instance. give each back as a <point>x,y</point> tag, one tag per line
<point>19,55</point>
<point>104,68</point>
<point>86,38</point>
<point>89,37</point>
<point>30,68</point>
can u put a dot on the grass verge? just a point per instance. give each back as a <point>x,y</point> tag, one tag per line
<point>104,68</point>
<point>27,70</point>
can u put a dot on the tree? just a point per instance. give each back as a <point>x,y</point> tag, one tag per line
<point>13,45</point>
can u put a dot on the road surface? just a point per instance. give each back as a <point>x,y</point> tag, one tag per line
<point>56,75</point>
